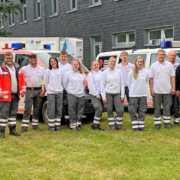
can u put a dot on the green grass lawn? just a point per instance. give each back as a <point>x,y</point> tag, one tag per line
<point>89,154</point>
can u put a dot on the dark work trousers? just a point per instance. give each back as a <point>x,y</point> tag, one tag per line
<point>139,103</point>
<point>76,110</point>
<point>8,112</point>
<point>127,93</point>
<point>166,101</point>
<point>32,99</point>
<point>175,108</point>
<point>115,100</point>
<point>54,109</point>
<point>65,107</point>
<point>97,104</point>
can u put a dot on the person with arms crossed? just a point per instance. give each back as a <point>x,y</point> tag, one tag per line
<point>112,92</point>
<point>65,67</point>
<point>125,67</point>
<point>33,74</point>
<point>94,85</point>
<point>162,86</point>
<point>53,78</point>
<point>175,99</point>
<point>74,83</point>
<point>12,88</point>
<point>138,79</point>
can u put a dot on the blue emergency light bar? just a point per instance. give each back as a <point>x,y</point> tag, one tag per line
<point>17,45</point>
<point>47,46</point>
<point>165,44</point>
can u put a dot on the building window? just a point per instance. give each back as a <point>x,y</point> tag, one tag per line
<point>96,46</point>
<point>11,19</point>
<point>37,9</point>
<point>23,14</point>
<point>1,21</point>
<point>71,5</point>
<point>53,10</point>
<point>156,35</point>
<point>123,40</point>
<point>93,3</point>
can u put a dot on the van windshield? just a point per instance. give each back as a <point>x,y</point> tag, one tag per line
<point>44,57</point>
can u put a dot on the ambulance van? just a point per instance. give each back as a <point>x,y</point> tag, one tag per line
<point>149,56</point>
<point>21,57</point>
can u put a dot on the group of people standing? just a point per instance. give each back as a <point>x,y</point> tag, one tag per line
<point>65,87</point>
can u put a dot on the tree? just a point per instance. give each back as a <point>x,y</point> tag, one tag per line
<point>6,8</point>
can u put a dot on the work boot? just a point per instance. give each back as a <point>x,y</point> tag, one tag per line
<point>177,124</point>
<point>78,128</point>
<point>119,128</point>
<point>57,128</point>
<point>157,127</point>
<point>13,131</point>
<point>96,128</point>
<point>142,129</point>
<point>135,129</point>
<point>24,129</point>
<point>51,129</point>
<point>2,134</point>
<point>168,126</point>
<point>36,128</point>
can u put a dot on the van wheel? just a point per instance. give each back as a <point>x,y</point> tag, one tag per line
<point>44,112</point>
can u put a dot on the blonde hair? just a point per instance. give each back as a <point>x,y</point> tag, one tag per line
<point>124,52</point>
<point>161,50</point>
<point>80,67</point>
<point>135,70</point>
<point>112,57</point>
<point>92,64</point>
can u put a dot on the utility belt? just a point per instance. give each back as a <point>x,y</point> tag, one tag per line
<point>34,88</point>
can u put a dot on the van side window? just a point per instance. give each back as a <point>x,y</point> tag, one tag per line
<point>132,58</point>
<point>22,59</point>
<point>154,58</point>
<point>1,59</point>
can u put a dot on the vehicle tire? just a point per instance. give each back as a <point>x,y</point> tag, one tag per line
<point>44,112</point>
<point>90,116</point>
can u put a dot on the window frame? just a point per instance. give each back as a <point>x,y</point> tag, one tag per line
<point>1,21</point>
<point>52,8</point>
<point>24,12</point>
<point>69,6</point>
<point>36,2</point>
<point>127,39</point>
<point>11,18</point>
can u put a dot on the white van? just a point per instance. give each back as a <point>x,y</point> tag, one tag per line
<point>21,57</point>
<point>149,56</point>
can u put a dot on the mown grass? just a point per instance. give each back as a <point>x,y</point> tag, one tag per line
<point>89,154</point>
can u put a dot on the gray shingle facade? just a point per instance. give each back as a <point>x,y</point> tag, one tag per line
<point>108,18</point>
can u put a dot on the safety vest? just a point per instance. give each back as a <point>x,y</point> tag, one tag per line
<point>5,83</point>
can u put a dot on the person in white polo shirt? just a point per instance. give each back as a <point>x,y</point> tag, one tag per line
<point>94,85</point>
<point>138,79</point>
<point>33,75</point>
<point>74,83</point>
<point>175,99</point>
<point>162,86</point>
<point>66,67</point>
<point>125,67</point>
<point>112,92</point>
<point>53,79</point>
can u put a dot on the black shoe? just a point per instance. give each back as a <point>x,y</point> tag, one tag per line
<point>157,127</point>
<point>73,129</point>
<point>142,129</point>
<point>112,129</point>
<point>168,127</point>
<point>51,129</point>
<point>2,135</point>
<point>23,129</point>
<point>13,132</point>
<point>78,128</point>
<point>99,128</point>
<point>57,128</point>
<point>177,124</point>
<point>135,129</point>
<point>36,128</point>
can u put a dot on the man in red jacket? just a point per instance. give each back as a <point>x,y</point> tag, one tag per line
<point>12,87</point>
